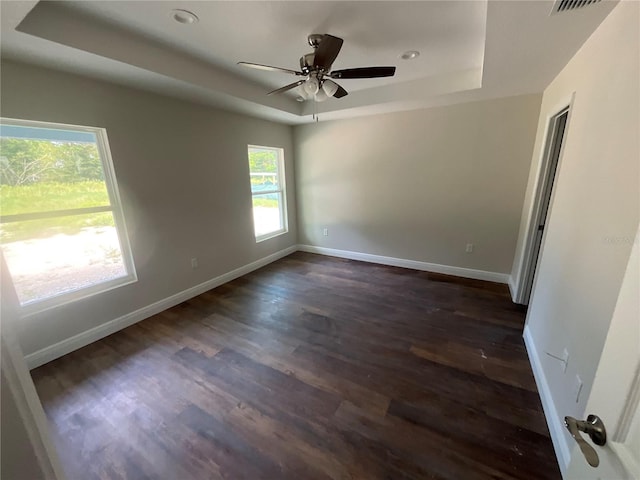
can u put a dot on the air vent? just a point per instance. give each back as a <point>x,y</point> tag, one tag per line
<point>565,5</point>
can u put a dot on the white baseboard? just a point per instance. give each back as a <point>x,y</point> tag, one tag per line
<point>560,445</point>
<point>80,340</point>
<point>512,289</point>
<point>414,264</point>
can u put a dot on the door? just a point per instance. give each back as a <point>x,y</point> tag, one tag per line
<point>555,137</point>
<point>615,395</point>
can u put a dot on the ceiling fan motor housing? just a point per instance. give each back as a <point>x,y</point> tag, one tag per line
<point>306,62</point>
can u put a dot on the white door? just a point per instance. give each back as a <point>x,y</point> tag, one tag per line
<point>615,395</point>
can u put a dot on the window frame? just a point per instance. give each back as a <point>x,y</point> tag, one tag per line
<point>115,203</point>
<point>282,191</point>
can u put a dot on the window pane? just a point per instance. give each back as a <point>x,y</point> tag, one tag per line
<point>266,213</point>
<point>52,256</point>
<point>263,164</point>
<point>38,175</point>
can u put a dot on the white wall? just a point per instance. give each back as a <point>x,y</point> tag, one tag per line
<point>419,185</point>
<point>183,175</point>
<point>595,209</point>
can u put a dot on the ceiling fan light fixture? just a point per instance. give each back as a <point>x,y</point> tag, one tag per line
<point>329,87</point>
<point>311,86</point>
<point>321,96</point>
<point>184,16</point>
<point>410,55</point>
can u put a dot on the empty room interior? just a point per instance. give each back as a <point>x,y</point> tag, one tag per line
<point>320,239</point>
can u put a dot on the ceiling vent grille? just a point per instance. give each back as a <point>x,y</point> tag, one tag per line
<point>565,5</point>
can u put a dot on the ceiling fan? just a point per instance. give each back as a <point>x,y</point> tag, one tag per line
<point>316,67</point>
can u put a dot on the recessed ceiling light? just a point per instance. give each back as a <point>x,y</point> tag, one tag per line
<point>410,55</point>
<point>184,16</point>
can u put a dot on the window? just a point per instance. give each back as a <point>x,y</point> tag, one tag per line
<point>61,226</point>
<point>266,169</point>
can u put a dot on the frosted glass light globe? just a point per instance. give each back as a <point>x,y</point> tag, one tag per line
<point>330,87</point>
<point>321,96</point>
<point>311,86</point>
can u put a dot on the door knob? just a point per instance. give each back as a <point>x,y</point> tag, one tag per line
<point>593,427</point>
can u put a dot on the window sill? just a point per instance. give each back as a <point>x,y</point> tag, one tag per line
<point>268,236</point>
<point>66,298</point>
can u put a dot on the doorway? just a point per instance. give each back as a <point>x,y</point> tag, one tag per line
<point>553,149</point>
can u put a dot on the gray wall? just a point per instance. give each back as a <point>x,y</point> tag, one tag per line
<point>419,185</point>
<point>183,176</point>
<point>595,207</point>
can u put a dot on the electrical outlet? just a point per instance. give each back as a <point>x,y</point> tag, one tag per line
<point>194,262</point>
<point>469,248</point>
<point>577,388</point>
<point>325,232</point>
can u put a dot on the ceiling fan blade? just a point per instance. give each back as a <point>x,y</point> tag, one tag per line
<point>341,92</point>
<point>327,52</point>
<point>269,68</point>
<point>333,89</point>
<point>287,87</point>
<point>364,72</point>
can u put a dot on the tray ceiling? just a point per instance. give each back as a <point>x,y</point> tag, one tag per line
<point>469,50</point>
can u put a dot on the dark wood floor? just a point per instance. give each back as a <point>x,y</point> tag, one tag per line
<point>312,367</point>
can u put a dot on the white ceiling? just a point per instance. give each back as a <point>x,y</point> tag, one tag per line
<point>470,50</point>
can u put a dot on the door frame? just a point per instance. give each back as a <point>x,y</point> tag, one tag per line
<point>622,429</point>
<point>526,276</point>
<point>20,385</point>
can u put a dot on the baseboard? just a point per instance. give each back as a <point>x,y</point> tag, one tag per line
<point>560,445</point>
<point>512,289</point>
<point>80,340</point>
<point>414,264</point>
